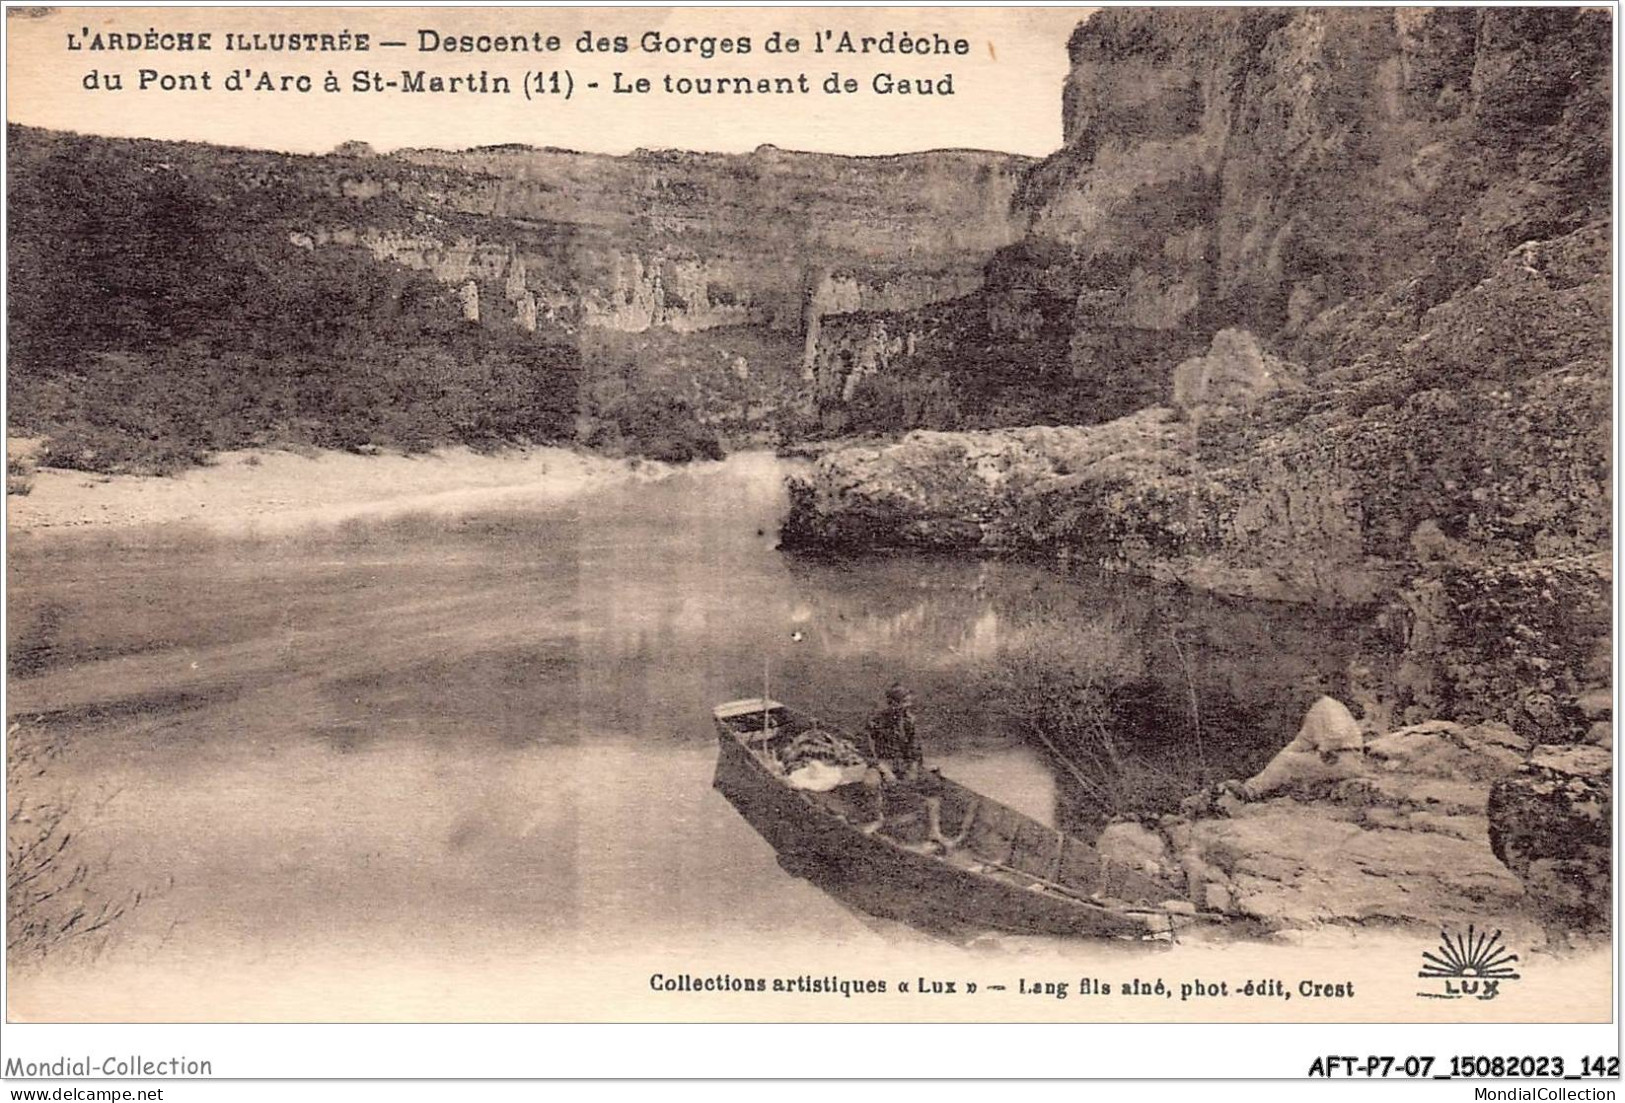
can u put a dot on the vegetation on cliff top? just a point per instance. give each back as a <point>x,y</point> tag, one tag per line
<point>154,319</point>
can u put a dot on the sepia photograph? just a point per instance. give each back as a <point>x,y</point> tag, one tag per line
<point>779,515</point>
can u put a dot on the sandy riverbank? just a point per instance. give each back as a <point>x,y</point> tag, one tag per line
<point>277,490</point>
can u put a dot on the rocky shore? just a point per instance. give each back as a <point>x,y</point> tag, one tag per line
<point>1431,824</point>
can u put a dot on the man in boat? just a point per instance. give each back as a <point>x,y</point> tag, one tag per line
<point>894,745</point>
<point>894,748</point>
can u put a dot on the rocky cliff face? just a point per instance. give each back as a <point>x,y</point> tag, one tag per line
<point>706,274</point>
<point>1282,172</point>
<point>1261,168</point>
<point>689,241</point>
<point>671,288</point>
<point>1550,822</point>
<point>1355,266</point>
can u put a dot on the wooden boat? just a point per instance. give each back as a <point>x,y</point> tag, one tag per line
<point>968,863</point>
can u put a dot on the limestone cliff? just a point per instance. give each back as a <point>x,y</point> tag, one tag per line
<point>706,274</point>
<point>1262,168</point>
<point>690,241</point>
<point>1363,253</point>
<point>1281,171</point>
<point>701,276</point>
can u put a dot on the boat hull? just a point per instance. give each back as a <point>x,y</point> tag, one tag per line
<point>879,877</point>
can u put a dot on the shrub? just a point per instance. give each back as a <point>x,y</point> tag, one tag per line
<point>892,401</point>
<point>52,900</point>
<point>1125,745</point>
<point>656,424</point>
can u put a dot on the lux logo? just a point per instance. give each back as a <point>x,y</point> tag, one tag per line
<point>1474,966</point>
<point>1483,989</point>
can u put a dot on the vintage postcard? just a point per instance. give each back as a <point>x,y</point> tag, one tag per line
<point>763,515</point>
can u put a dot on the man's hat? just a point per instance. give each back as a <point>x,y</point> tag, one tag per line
<point>898,693</point>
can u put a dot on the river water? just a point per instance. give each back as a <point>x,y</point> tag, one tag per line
<point>483,739</point>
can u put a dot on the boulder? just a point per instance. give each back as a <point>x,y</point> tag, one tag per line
<point>965,490</point>
<point>1550,823</point>
<point>1442,749</point>
<point>1294,865</point>
<point>1329,726</point>
<point>1135,846</point>
<point>1390,831</point>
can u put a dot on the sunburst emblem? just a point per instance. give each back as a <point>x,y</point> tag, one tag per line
<point>1478,955</point>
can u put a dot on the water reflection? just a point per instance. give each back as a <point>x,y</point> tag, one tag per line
<point>489,734</point>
